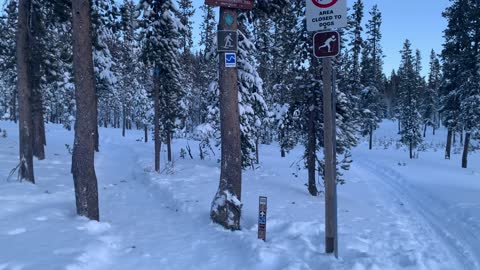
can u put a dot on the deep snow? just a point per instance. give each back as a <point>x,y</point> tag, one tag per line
<point>394,213</point>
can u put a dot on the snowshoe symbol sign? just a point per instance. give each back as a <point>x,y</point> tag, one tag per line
<point>227,41</point>
<point>324,3</point>
<point>326,44</point>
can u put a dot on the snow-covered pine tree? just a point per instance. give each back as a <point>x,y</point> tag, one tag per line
<point>284,77</point>
<point>355,45</point>
<point>160,29</point>
<point>8,61</point>
<point>454,66</point>
<point>104,22</point>
<point>189,68</point>
<point>409,103</point>
<point>252,107</point>
<point>429,104</point>
<point>372,78</point>
<point>470,88</point>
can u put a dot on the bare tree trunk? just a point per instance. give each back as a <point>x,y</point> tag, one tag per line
<point>13,108</point>
<point>124,121</point>
<point>145,129</point>
<point>461,136</point>
<point>95,111</point>
<point>257,154</point>
<point>24,89</point>
<point>411,151</point>
<point>36,76</point>
<point>226,208</point>
<point>311,153</point>
<point>448,148</point>
<point>465,150</point>
<point>282,151</point>
<point>370,140</point>
<point>156,81</point>
<point>83,168</point>
<point>425,130</point>
<point>169,146</point>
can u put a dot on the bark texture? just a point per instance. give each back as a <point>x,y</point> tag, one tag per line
<point>448,148</point>
<point>465,150</point>
<point>24,88</point>
<point>226,206</point>
<point>83,169</point>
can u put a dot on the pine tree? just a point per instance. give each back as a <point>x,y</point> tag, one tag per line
<point>8,61</point>
<point>409,103</point>
<point>429,105</point>
<point>160,29</point>
<point>456,38</point>
<point>372,77</point>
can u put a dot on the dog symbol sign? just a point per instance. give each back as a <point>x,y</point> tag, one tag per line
<point>326,44</point>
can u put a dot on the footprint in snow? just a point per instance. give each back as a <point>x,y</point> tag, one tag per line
<point>17,231</point>
<point>41,218</point>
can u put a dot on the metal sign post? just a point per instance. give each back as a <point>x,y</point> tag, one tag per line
<point>262,218</point>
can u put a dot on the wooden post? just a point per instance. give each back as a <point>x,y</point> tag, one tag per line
<point>227,213</point>
<point>330,166</point>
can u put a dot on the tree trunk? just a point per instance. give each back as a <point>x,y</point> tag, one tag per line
<point>169,146</point>
<point>145,129</point>
<point>461,136</point>
<point>156,122</point>
<point>257,153</point>
<point>226,207</point>
<point>448,148</point>
<point>24,89</point>
<point>124,121</point>
<point>370,140</point>
<point>83,168</point>
<point>434,128</point>
<point>95,111</point>
<point>36,76</point>
<point>425,130</point>
<point>411,150</point>
<point>13,108</point>
<point>311,153</point>
<point>465,150</point>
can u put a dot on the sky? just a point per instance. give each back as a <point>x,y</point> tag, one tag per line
<point>420,21</point>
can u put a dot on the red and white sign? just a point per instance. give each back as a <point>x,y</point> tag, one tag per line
<point>324,15</point>
<point>235,4</point>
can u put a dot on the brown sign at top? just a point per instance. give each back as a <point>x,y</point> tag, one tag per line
<point>236,4</point>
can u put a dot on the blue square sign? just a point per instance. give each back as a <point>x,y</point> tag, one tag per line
<point>230,60</point>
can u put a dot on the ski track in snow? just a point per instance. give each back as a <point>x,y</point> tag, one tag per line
<point>431,215</point>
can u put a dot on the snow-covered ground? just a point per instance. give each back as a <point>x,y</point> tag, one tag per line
<point>394,213</point>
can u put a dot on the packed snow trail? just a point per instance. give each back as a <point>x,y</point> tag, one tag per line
<point>429,211</point>
<point>153,221</point>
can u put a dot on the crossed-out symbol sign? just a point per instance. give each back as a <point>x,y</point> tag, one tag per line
<point>324,3</point>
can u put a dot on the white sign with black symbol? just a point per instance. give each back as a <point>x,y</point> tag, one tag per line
<point>227,41</point>
<point>230,60</point>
